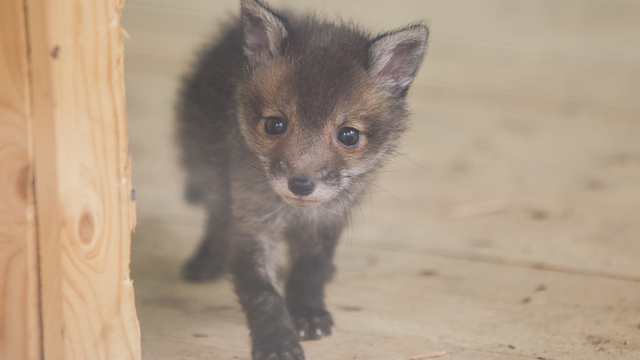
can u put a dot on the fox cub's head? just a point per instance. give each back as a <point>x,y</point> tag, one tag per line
<point>322,104</point>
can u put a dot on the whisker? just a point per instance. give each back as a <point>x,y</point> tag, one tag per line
<point>340,201</point>
<point>273,212</point>
<point>415,163</point>
<point>351,225</point>
<point>367,189</point>
<point>390,171</point>
<point>387,191</point>
<point>331,211</point>
<point>357,202</point>
<point>250,203</point>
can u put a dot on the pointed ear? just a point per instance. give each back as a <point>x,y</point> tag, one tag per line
<point>394,57</point>
<point>264,31</point>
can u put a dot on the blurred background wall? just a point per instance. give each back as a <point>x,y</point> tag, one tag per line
<point>526,109</point>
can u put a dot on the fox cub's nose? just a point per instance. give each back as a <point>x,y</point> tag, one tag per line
<point>301,186</point>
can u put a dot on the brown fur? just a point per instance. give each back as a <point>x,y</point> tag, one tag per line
<point>319,79</point>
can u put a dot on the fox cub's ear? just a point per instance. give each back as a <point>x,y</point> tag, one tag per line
<point>394,57</point>
<point>264,31</point>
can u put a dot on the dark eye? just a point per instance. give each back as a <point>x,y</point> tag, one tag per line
<point>348,136</point>
<point>274,126</point>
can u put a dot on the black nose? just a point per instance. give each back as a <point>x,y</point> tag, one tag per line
<point>301,186</point>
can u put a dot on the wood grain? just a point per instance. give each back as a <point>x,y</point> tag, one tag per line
<point>19,312</point>
<point>394,305</point>
<point>82,184</point>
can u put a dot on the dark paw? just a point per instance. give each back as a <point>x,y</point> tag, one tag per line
<point>282,351</point>
<point>202,268</point>
<point>312,324</point>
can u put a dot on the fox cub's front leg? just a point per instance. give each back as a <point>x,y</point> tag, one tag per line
<point>272,332</point>
<point>312,268</point>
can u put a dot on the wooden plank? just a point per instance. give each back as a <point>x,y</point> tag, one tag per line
<point>19,306</point>
<point>536,73</point>
<point>82,180</point>
<point>198,336</point>
<point>46,182</point>
<point>524,57</point>
<point>395,305</point>
<point>600,27</point>
<point>516,181</point>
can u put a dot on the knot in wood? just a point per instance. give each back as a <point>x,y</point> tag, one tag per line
<point>86,229</point>
<point>21,183</point>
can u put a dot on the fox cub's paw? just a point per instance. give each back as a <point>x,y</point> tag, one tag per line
<point>312,324</point>
<point>202,267</point>
<point>278,350</point>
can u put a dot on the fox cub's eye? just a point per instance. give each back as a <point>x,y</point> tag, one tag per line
<point>348,136</point>
<point>275,126</point>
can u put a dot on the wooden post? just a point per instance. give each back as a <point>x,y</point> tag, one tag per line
<point>65,209</point>
<point>19,302</point>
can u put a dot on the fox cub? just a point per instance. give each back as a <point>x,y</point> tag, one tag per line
<point>282,123</point>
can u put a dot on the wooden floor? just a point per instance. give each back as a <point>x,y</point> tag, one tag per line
<point>508,229</point>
